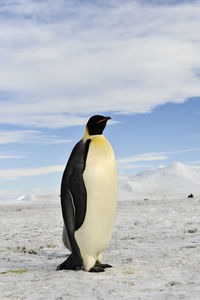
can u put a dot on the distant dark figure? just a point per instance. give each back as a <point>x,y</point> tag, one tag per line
<point>191,196</point>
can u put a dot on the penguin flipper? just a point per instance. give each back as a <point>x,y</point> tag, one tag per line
<point>72,186</point>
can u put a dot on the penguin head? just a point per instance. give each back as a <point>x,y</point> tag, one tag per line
<point>96,124</point>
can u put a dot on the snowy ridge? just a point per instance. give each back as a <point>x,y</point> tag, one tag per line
<point>175,179</point>
<point>27,198</point>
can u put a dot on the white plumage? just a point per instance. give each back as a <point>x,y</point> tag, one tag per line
<point>100,178</point>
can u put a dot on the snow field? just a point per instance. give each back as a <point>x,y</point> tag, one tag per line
<point>154,252</point>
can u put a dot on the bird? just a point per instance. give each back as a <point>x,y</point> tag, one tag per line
<point>89,189</point>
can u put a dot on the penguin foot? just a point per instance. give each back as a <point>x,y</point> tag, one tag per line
<point>104,266</point>
<point>70,264</point>
<point>96,269</point>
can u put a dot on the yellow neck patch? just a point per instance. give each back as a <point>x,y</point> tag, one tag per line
<point>86,135</point>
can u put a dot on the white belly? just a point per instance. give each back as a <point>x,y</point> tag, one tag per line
<point>100,177</point>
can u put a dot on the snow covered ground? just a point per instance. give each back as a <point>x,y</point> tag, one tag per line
<point>155,253</point>
<point>155,249</point>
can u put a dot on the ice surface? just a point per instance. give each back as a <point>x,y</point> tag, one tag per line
<point>154,251</point>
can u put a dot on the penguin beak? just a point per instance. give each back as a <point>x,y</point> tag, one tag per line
<point>104,120</point>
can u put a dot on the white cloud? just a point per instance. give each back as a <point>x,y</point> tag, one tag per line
<point>132,162</point>
<point>11,156</point>
<point>64,62</point>
<point>197,162</point>
<point>29,136</point>
<point>17,173</point>
<point>142,157</point>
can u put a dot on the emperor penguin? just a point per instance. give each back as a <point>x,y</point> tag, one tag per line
<point>88,199</point>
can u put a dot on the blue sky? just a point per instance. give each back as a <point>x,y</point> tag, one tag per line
<point>63,61</point>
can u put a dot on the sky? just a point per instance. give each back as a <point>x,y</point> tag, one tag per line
<point>64,61</point>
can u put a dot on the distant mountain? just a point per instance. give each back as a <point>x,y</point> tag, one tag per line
<point>175,179</point>
<point>27,198</point>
